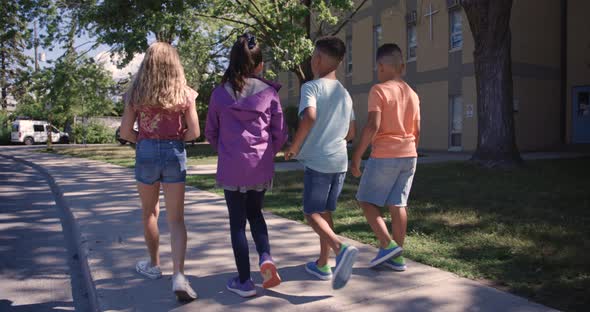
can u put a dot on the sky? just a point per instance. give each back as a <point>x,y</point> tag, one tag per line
<point>100,54</point>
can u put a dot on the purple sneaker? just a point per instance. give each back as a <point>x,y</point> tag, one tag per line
<point>246,289</point>
<point>268,270</point>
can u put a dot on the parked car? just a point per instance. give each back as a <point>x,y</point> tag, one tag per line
<point>30,132</point>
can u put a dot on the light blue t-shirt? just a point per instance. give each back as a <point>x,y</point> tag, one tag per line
<point>324,149</point>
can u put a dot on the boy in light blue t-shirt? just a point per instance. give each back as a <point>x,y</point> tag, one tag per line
<point>320,145</point>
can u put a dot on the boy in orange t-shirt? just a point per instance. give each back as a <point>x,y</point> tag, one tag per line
<point>393,130</point>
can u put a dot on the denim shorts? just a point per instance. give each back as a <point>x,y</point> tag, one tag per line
<point>321,191</point>
<point>387,181</point>
<point>160,161</point>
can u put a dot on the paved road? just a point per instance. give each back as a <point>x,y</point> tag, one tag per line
<point>36,265</point>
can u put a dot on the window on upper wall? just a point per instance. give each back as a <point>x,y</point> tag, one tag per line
<point>412,42</point>
<point>377,38</point>
<point>348,69</point>
<point>455,28</point>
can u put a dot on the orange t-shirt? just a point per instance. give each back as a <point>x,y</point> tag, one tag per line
<point>400,113</point>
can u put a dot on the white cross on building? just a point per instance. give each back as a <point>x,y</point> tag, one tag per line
<point>429,14</point>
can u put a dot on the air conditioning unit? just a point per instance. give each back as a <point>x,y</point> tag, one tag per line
<point>412,17</point>
<point>453,3</point>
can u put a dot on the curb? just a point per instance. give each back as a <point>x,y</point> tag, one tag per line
<point>70,226</point>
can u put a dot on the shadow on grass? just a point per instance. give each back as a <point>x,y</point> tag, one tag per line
<point>524,230</point>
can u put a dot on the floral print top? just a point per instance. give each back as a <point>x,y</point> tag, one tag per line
<point>163,124</point>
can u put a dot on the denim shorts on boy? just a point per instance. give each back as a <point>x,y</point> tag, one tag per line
<point>387,181</point>
<point>321,191</point>
<point>160,160</point>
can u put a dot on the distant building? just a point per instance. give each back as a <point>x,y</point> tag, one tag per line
<point>11,104</point>
<point>551,68</point>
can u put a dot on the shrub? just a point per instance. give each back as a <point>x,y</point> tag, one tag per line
<point>5,128</point>
<point>95,133</point>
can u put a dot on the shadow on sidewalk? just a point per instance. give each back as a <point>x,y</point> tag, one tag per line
<point>53,306</point>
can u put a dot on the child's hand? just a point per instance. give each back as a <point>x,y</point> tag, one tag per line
<point>355,168</point>
<point>291,152</point>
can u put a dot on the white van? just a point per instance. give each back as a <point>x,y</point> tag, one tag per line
<point>30,132</point>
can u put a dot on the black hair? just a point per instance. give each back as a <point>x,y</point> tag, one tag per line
<point>245,55</point>
<point>388,49</point>
<point>332,46</point>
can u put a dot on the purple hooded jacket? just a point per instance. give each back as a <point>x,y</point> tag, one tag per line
<point>247,134</point>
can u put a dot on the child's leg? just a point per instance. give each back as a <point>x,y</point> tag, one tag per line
<point>254,201</point>
<point>149,196</point>
<point>375,220</point>
<point>324,230</point>
<point>399,224</point>
<point>174,196</point>
<point>324,244</point>
<point>398,199</point>
<point>236,204</point>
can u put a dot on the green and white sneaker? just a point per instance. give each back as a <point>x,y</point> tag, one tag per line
<point>396,264</point>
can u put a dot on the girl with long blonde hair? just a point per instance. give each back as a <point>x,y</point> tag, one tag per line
<point>162,104</point>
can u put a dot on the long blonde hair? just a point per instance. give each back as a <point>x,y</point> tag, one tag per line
<point>160,80</point>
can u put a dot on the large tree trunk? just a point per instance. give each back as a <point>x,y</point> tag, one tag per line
<point>490,24</point>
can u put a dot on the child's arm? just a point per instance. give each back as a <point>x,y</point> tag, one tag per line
<point>278,128</point>
<point>192,123</point>
<point>417,132</point>
<point>369,131</point>
<point>351,131</point>
<point>305,125</point>
<point>129,116</point>
<point>212,125</point>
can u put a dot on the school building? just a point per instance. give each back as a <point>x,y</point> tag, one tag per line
<point>550,63</point>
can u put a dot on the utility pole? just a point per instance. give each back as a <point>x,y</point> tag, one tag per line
<point>36,44</point>
<point>50,125</point>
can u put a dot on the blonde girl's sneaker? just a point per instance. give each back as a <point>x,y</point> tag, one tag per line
<point>245,289</point>
<point>182,288</point>
<point>143,267</point>
<point>324,273</point>
<point>396,264</point>
<point>268,270</point>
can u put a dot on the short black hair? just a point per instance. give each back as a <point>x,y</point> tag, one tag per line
<point>388,49</point>
<point>332,46</point>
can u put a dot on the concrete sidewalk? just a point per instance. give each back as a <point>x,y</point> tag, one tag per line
<point>104,202</point>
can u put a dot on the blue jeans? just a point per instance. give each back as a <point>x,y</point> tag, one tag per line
<point>160,160</point>
<point>242,207</point>
<point>321,191</point>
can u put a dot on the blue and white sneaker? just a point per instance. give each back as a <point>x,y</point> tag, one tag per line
<point>312,268</point>
<point>385,254</point>
<point>396,264</point>
<point>245,289</point>
<point>344,262</point>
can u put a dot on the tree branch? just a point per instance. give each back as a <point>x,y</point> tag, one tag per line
<point>350,17</point>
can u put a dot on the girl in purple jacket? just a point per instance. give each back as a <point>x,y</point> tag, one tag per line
<point>245,125</point>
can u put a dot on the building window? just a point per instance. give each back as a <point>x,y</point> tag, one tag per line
<point>349,55</point>
<point>456,122</point>
<point>377,38</point>
<point>455,28</point>
<point>412,42</point>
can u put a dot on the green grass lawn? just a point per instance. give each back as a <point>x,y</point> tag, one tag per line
<point>526,231</point>
<point>198,154</point>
